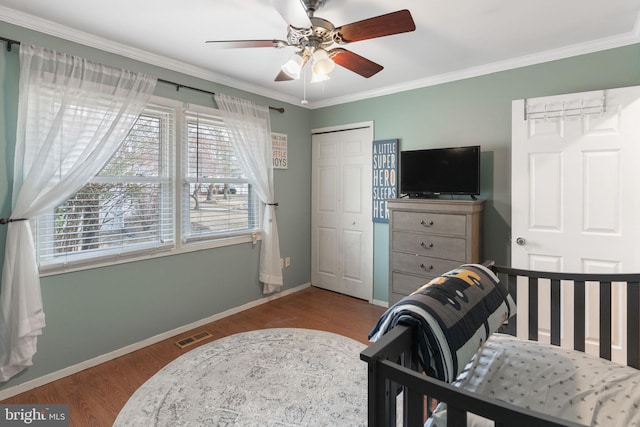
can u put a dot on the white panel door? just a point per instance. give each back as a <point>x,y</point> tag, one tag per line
<point>575,198</point>
<point>341,225</point>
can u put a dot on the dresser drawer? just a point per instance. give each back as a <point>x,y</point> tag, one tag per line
<point>395,297</point>
<point>406,284</point>
<point>421,265</point>
<point>426,222</point>
<point>429,237</point>
<point>453,248</point>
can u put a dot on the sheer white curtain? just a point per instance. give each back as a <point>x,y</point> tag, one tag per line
<point>250,128</point>
<point>73,114</point>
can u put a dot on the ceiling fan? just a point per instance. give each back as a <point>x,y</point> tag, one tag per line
<point>314,37</point>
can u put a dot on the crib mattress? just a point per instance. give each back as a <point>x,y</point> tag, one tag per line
<point>565,383</point>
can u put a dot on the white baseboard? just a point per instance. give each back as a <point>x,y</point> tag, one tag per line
<point>380,303</point>
<point>54,376</point>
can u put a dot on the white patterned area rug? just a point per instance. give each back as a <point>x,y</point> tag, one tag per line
<point>270,377</point>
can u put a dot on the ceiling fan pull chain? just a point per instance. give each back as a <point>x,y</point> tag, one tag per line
<point>304,88</point>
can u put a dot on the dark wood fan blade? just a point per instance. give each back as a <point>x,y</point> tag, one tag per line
<point>234,44</point>
<point>354,62</point>
<point>293,13</point>
<point>379,26</point>
<point>283,77</point>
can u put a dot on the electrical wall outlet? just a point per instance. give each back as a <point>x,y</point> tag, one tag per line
<point>287,262</point>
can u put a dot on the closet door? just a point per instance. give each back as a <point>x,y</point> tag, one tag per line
<point>575,196</point>
<point>341,224</point>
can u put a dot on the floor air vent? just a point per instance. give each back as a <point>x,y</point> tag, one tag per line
<point>186,342</point>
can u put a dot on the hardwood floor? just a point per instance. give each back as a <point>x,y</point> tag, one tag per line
<point>95,396</point>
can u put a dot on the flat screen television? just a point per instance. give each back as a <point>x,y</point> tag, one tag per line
<point>431,172</point>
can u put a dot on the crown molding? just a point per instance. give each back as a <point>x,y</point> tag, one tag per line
<point>50,28</point>
<point>56,30</point>
<point>510,64</point>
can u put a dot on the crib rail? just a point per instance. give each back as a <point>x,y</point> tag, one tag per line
<point>392,367</point>
<point>579,282</point>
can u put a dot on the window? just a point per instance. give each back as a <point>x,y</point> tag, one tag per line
<point>218,198</point>
<point>126,208</point>
<point>130,207</point>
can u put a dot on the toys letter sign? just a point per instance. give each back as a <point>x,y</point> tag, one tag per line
<point>385,177</point>
<point>279,150</point>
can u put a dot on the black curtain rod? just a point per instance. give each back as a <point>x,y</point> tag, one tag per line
<point>177,85</point>
<point>9,42</point>
<point>181,86</point>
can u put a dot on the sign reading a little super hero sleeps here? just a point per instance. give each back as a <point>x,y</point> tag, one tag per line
<point>385,177</point>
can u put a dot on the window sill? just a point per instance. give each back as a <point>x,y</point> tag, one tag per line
<point>150,254</point>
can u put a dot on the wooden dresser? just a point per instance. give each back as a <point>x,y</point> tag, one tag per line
<point>428,237</point>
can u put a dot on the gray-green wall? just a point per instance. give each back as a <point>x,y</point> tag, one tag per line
<point>478,111</point>
<point>93,312</point>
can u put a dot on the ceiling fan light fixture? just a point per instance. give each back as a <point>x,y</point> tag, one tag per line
<point>293,66</point>
<point>322,64</point>
<point>316,78</point>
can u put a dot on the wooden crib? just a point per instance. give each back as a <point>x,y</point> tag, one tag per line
<point>392,360</point>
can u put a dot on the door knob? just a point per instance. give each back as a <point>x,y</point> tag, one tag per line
<point>521,241</point>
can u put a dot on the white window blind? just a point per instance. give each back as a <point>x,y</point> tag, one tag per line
<point>218,201</point>
<point>127,208</point>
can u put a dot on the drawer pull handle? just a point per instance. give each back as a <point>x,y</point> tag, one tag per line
<point>426,268</point>
<point>430,245</point>
<point>428,224</point>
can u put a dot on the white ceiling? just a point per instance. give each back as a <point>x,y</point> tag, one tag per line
<point>454,39</point>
